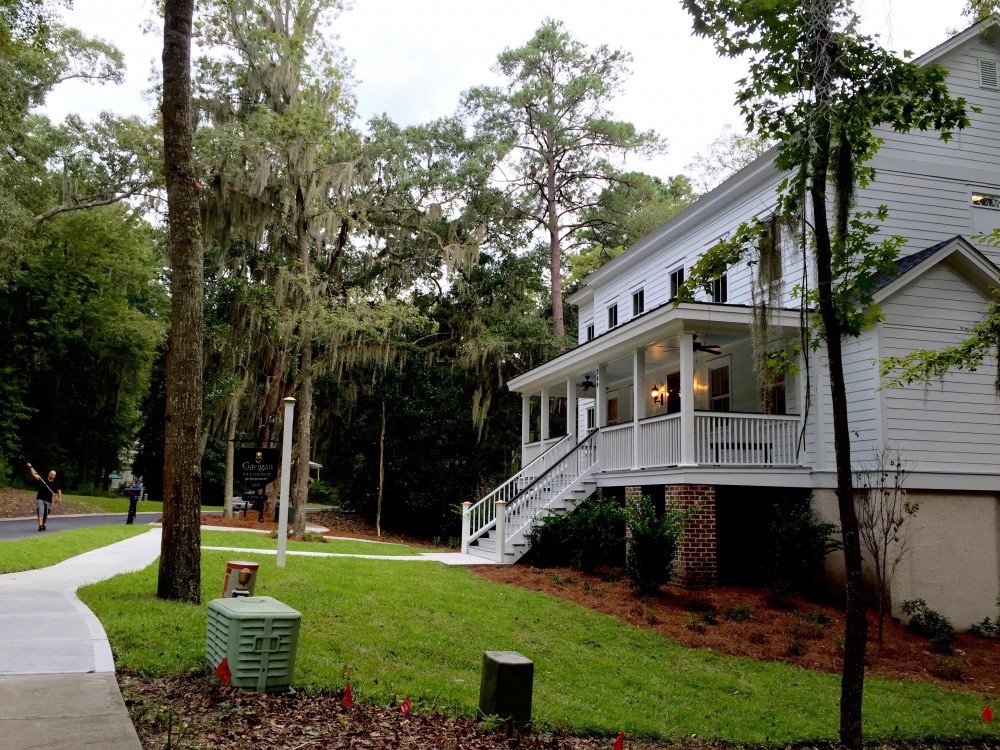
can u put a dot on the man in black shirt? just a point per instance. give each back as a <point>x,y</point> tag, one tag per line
<point>48,490</point>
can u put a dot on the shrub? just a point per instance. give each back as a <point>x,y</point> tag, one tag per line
<point>590,536</point>
<point>796,647</point>
<point>757,637</point>
<point>988,627</point>
<point>653,542</point>
<point>799,545</point>
<point>930,624</point>
<point>739,613</point>
<point>948,668</point>
<point>323,493</point>
<point>803,628</point>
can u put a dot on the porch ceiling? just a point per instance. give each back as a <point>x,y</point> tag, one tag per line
<point>659,333</point>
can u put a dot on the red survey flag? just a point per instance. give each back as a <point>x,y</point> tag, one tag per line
<point>224,672</point>
<point>620,741</point>
<point>348,701</point>
<point>405,706</point>
<point>987,713</point>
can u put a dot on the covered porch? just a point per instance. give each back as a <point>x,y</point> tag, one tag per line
<point>675,387</point>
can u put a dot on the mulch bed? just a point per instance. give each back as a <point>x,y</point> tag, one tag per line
<point>203,713</point>
<point>21,504</point>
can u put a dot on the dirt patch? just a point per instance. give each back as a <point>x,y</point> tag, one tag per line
<point>21,504</point>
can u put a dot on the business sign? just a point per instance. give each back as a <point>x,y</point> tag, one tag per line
<point>256,467</point>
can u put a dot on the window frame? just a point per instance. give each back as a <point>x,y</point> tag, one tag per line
<point>638,302</point>
<point>675,279</point>
<point>612,316</point>
<point>720,288</point>
<point>590,332</point>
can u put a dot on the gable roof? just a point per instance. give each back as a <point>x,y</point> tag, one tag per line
<point>752,176</point>
<point>958,252</point>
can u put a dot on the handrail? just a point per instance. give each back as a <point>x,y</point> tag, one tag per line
<point>480,517</point>
<point>547,486</point>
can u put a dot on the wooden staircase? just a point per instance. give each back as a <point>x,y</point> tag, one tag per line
<point>554,483</point>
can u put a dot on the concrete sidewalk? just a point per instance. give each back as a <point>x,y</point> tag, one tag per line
<point>57,681</point>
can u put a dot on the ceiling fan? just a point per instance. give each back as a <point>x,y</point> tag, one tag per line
<point>707,348</point>
<point>586,385</point>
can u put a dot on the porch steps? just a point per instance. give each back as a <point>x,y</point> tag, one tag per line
<point>559,494</point>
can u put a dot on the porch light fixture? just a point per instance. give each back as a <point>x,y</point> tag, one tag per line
<point>658,394</point>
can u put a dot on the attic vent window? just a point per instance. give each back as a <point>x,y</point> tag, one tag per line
<point>988,74</point>
<point>986,200</point>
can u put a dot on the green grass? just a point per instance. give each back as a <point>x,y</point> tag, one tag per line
<point>248,540</point>
<point>420,629</point>
<point>55,546</point>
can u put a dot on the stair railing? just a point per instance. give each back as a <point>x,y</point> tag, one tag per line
<point>479,518</point>
<point>519,513</point>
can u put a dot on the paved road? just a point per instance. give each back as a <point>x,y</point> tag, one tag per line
<point>19,529</point>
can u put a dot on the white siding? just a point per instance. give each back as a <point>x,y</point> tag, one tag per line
<point>860,380</point>
<point>952,424</point>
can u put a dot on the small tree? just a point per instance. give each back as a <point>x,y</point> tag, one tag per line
<point>883,520</point>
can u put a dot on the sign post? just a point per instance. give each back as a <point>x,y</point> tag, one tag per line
<point>286,480</point>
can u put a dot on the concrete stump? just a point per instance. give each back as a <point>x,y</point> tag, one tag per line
<point>505,690</point>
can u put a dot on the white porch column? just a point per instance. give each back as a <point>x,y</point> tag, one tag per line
<point>571,416</point>
<point>545,415</point>
<point>687,399</point>
<point>525,423</point>
<point>638,401</point>
<point>602,395</point>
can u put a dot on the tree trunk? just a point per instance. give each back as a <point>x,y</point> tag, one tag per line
<point>180,553</point>
<point>856,624</point>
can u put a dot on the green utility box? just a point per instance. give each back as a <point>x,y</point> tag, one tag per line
<point>258,636</point>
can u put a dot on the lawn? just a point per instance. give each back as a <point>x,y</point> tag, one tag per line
<point>420,629</point>
<point>55,546</point>
<point>250,540</point>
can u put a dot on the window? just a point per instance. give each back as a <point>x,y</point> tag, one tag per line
<point>591,424</point>
<point>774,395</point>
<point>720,288</point>
<point>985,200</point>
<point>612,316</point>
<point>638,302</point>
<point>590,332</point>
<point>718,388</point>
<point>612,410</point>
<point>676,282</point>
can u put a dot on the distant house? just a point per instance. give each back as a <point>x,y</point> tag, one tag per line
<point>665,400</point>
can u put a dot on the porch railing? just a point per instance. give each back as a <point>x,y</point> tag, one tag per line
<point>481,516</point>
<point>549,486</point>
<point>531,451</point>
<point>616,447</point>
<point>726,439</point>
<point>660,441</point>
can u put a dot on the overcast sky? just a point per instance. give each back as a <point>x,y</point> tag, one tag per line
<point>413,58</point>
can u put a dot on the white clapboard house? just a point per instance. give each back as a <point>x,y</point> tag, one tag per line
<point>664,399</point>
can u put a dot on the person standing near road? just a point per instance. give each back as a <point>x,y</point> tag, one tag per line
<point>48,490</point>
<point>134,493</point>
